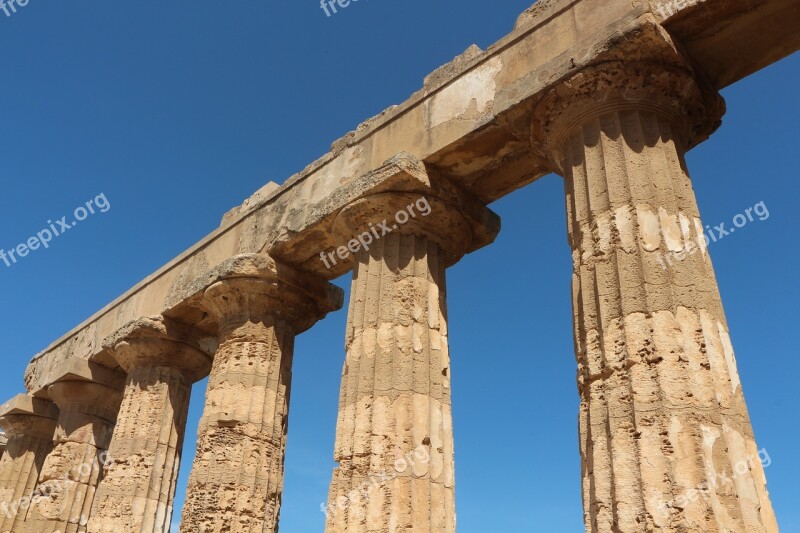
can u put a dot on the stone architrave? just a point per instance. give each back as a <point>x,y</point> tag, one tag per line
<point>611,94</point>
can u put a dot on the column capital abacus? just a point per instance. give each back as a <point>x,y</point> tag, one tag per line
<point>26,416</point>
<point>672,90</point>
<point>256,287</point>
<point>159,342</point>
<point>83,386</point>
<point>377,214</point>
<point>431,207</point>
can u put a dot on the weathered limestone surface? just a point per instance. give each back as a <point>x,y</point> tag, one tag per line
<point>29,424</point>
<point>88,399</point>
<point>394,439</point>
<point>469,121</point>
<point>662,409</point>
<point>610,94</point>
<point>162,361</point>
<point>259,306</point>
<point>731,40</point>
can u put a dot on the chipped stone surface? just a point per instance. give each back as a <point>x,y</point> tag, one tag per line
<point>394,437</point>
<point>259,305</point>
<point>395,425</point>
<point>662,410</point>
<point>472,93</point>
<point>610,93</point>
<point>468,121</point>
<point>73,469</point>
<point>28,425</point>
<point>139,481</point>
<point>257,199</point>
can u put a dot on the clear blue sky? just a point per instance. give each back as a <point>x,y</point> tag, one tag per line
<point>178,111</point>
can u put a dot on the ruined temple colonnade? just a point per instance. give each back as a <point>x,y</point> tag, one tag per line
<point>610,95</point>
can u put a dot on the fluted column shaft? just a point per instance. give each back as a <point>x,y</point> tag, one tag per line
<point>139,483</point>
<point>236,483</point>
<point>73,470</point>
<point>665,435</point>
<point>394,437</point>
<point>30,439</point>
<point>394,440</point>
<point>237,477</point>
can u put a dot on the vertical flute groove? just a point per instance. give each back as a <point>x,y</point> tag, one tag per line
<point>234,479</point>
<point>19,470</point>
<point>394,438</point>
<point>139,481</point>
<point>651,339</point>
<point>72,471</point>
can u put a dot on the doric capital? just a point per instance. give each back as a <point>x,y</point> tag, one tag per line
<point>673,91</point>
<point>87,397</point>
<point>26,416</point>
<point>442,213</point>
<point>257,287</point>
<point>79,385</point>
<point>152,342</point>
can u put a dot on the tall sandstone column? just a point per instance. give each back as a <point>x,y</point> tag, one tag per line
<point>88,398</point>
<point>394,438</point>
<point>665,435</point>
<point>236,482</point>
<point>29,424</point>
<point>162,361</point>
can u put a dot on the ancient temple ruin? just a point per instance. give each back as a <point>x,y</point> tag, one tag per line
<point>608,94</point>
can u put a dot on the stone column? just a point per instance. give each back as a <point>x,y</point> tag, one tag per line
<point>394,437</point>
<point>666,440</point>
<point>29,424</point>
<point>3,443</point>
<point>88,398</point>
<point>259,305</point>
<point>162,360</point>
